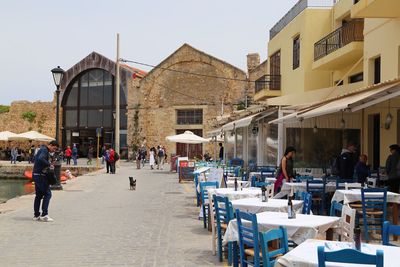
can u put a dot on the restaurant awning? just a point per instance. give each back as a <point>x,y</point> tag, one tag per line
<point>246,121</point>
<point>350,102</point>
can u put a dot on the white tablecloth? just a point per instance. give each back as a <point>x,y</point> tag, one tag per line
<point>301,228</point>
<point>305,255</point>
<point>354,195</point>
<point>255,205</point>
<point>241,184</point>
<point>232,194</point>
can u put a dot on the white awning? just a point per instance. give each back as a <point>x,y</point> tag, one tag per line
<point>286,118</point>
<point>244,122</point>
<point>354,102</point>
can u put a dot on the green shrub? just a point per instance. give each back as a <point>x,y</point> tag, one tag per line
<point>29,116</point>
<point>4,109</point>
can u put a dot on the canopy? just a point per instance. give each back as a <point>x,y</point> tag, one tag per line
<point>187,137</point>
<point>246,121</point>
<point>5,135</point>
<point>31,136</point>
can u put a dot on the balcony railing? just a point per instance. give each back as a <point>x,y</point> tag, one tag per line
<point>349,32</point>
<point>269,82</point>
<point>295,11</point>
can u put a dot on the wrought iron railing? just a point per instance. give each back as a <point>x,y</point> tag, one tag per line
<point>295,11</point>
<point>269,82</point>
<point>349,32</point>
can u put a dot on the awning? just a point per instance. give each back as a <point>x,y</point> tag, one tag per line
<point>215,132</point>
<point>286,118</point>
<point>244,122</point>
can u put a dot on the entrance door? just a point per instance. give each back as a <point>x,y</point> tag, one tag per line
<point>195,150</point>
<point>374,122</point>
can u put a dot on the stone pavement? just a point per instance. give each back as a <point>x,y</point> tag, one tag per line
<point>100,222</point>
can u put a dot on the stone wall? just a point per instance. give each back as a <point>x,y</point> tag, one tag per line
<point>162,92</point>
<point>44,122</point>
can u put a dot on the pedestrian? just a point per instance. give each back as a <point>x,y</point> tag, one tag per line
<point>165,154</point>
<point>14,155</point>
<point>31,154</point>
<point>90,155</point>
<point>103,154</point>
<point>160,157</point>
<point>143,155</point>
<point>68,155</point>
<point>362,169</point>
<point>152,158</point>
<point>393,168</point>
<point>75,154</point>
<point>221,152</point>
<point>138,158</point>
<point>285,171</point>
<point>42,188</point>
<point>107,159</point>
<point>347,162</point>
<point>112,161</point>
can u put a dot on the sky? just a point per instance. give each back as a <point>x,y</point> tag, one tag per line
<point>37,36</point>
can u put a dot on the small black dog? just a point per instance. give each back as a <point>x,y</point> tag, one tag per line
<point>132,183</point>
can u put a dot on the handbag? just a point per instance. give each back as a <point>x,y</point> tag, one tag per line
<point>49,176</point>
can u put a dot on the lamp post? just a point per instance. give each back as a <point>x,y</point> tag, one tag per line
<point>58,74</point>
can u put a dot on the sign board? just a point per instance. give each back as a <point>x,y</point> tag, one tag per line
<point>75,134</point>
<point>186,169</point>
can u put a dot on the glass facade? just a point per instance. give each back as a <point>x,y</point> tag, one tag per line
<point>88,104</point>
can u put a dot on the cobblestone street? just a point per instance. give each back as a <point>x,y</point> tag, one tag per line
<point>100,222</point>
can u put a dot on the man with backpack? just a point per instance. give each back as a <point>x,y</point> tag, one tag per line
<point>347,162</point>
<point>393,168</point>
<point>160,155</point>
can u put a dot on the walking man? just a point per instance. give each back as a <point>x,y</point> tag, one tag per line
<point>42,188</point>
<point>14,155</point>
<point>75,154</point>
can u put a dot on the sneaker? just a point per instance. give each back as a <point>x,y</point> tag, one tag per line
<point>46,219</point>
<point>36,218</point>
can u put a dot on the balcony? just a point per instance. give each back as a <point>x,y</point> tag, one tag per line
<point>340,47</point>
<point>267,86</point>
<point>376,9</point>
<point>295,11</point>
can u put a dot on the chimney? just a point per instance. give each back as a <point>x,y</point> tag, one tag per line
<point>253,60</point>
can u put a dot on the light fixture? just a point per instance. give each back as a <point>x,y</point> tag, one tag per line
<point>389,118</point>
<point>315,128</point>
<point>255,130</point>
<point>58,74</point>
<point>342,122</point>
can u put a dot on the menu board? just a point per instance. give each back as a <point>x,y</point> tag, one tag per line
<point>186,169</point>
<point>216,175</point>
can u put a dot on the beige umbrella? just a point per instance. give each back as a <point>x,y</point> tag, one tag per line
<point>4,136</point>
<point>187,137</point>
<point>31,136</point>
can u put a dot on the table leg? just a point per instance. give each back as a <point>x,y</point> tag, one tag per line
<point>395,214</point>
<point>235,254</point>
<point>213,232</point>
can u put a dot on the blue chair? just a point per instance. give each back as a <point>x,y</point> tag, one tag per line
<point>304,178</point>
<point>307,203</point>
<point>340,183</point>
<point>373,209</point>
<point>196,184</point>
<point>261,184</point>
<point>236,162</point>
<point>223,214</point>
<point>269,255</point>
<point>349,256</point>
<point>249,244</point>
<point>268,172</point>
<point>336,209</point>
<point>237,171</point>
<point>253,181</point>
<point>204,199</point>
<point>317,189</point>
<point>389,229</point>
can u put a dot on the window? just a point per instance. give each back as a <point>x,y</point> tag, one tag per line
<point>275,69</point>
<point>296,52</point>
<point>377,70</point>
<point>189,116</point>
<point>359,77</point>
<point>71,118</point>
<point>337,83</point>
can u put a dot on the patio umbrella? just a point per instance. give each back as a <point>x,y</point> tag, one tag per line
<point>31,136</point>
<point>187,137</point>
<point>4,136</point>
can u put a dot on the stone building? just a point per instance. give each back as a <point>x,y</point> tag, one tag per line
<point>171,99</point>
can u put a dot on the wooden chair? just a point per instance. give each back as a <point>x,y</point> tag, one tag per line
<point>317,189</point>
<point>307,203</point>
<point>389,229</point>
<point>349,256</point>
<point>347,224</point>
<point>223,214</point>
<point>336,209</point>
<point>204,199</point>
<point>269,251</point>
<point>373,209</point>
<point>249,244</point>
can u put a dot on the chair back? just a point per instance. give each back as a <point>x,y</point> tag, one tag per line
<point>304,178</point>
<point>336,209</point>
<point>373,208</point>
<point>223,210</point>
<point>236,162</point>
<point>341,183</point>
<point>307,203</point>
<point>347,221</point>
<point>260,184</point>
<point>196,186</point>
<point>248,236</point>
<point>267,172</point>
<point>271,252</point>
<point>253,181</point>
<point>204,186</point>
<point>371,182</point>
<point>349,256</point>
<point>389,229</point>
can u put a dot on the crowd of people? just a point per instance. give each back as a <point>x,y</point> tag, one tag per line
<point>156,158</point>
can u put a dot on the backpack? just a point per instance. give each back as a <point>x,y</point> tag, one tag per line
<point>335,165</point>
<point>116,156</point>
<point>161,153</point>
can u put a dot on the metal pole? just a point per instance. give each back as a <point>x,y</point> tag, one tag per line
<point>117,105</point>
<point>97,158</point>
<point>57,163</point>
<point>58,113</point>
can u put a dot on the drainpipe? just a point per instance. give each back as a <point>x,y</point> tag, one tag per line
<point>281,137</point>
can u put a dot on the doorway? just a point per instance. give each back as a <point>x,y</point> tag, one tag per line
<point>374,122</point>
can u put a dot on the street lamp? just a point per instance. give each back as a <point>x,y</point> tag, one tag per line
<point>58,74</point>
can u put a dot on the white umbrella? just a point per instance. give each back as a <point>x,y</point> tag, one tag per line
<point>31,136</point>
<point>4,136</point>
<point>187,137</point>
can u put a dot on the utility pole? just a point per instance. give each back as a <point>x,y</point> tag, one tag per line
<point>117,104</point>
